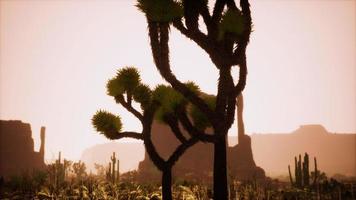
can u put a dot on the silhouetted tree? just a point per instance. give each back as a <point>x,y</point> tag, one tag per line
<point>228,33</point>
<point>163,104</point>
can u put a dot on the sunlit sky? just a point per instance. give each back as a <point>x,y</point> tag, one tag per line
<point>56,56</point>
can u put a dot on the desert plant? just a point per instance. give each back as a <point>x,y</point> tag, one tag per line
<point>161,103</point>
<point>79,170</point>
<point>113,174</point>
<point>302,174</point>
<point>228,34</point>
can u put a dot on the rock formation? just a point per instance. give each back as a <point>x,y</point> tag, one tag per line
<point>17,153</point>
<point>336,152</point>
<point>197,162</point>
<point>241,162</point>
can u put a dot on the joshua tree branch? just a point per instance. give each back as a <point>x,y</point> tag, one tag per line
<point>194,132</point>
<point>239,55</point>
<point>231,106</point>
<point>243,41</point>
<point>206,15</point>
<point>191,14</point>
<point>242,76</point>
<point>150,148</point>
<point>216,16</point>
<point>120,99</point>
<point>160,51</point>
<point>231,4</point>
<point>208,45</point>
<point>126,134</point>
<point>180,151</point>
<point>173,124</point>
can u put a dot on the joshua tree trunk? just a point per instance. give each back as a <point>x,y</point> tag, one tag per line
<point>220,170</point>
<point>167,183</point>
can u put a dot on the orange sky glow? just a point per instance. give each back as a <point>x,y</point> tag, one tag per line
<point>56,56</point>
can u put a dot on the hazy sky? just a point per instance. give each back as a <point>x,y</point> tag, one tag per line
<point>56,56</point>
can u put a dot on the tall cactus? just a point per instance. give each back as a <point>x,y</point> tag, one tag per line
<point>60,170</point>
<point>296,171</point>
<point>299,174</point>
<point>290,176</point>
<point>302,174</point>
<point>315,171</point>
<point>306,170</point>
<point>57,172</point>
<point>118,171</point>
<point>113,175</point>
<point>113,161</point>
<point>108,173</point>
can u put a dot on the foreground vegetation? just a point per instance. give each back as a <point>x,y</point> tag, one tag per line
<point>79,185</point>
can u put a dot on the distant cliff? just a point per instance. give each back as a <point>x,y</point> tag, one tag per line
<point>17,148</point>
<point>336,153</point>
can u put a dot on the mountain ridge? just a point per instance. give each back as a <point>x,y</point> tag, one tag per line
<point>335,152</point>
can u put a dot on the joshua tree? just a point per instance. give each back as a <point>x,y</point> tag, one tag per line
<point>228,33</point>
<point>164,104</point>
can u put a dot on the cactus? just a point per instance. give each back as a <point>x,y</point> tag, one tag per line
<point>306,170</point>
<point>296,171</point>
<point>302,174</point>
<point>315,171</point>
<point>290,176</point>
<point>108,173</point>
<point>59,171</point>
<point>113,161</point>
<point>118,172</point>
<point>112,175</point>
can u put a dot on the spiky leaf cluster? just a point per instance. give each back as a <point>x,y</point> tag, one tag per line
<point>126,80</point>
<point>193,87</point>
<point>160,10</point>
<point>107,123</point>
<point>142,94</point>
<point>231,22</point>
<point>168,99</point>
<point>199,119</point>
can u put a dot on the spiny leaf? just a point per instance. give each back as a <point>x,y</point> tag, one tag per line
<point>129,78</point>
<point>126,80</point>
<point>114,88</point>
<point>193,87</point>
<point>160,10</point>
<point>169,101</point>
<point>199,118</point>
<point>232,22</point>
<point>142,94</point>
<point>107,124</point>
